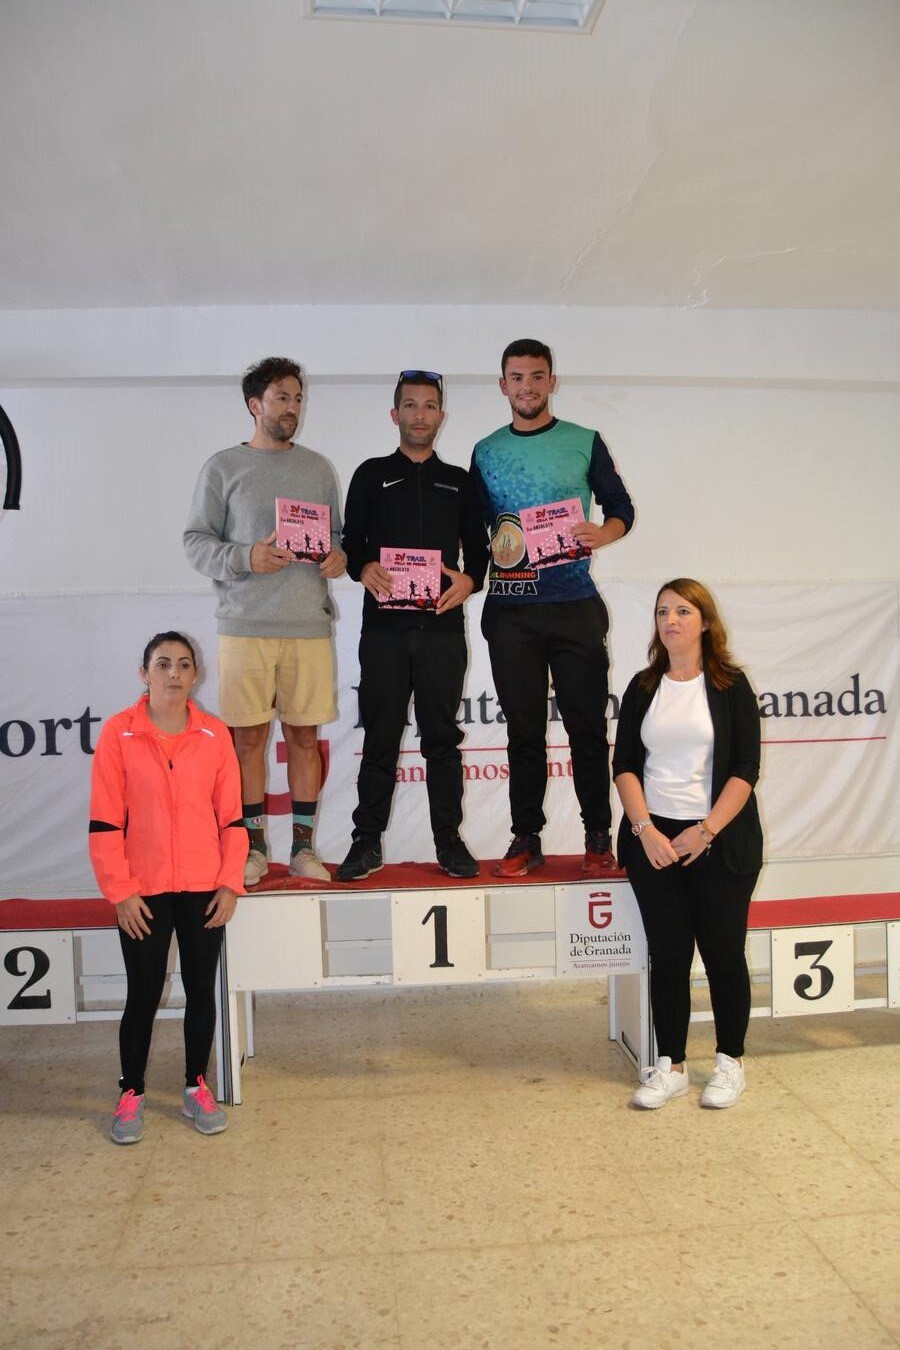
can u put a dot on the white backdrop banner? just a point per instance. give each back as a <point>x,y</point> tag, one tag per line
<point>822,657</point>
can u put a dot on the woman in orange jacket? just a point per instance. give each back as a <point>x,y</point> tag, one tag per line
<point>168,847</point>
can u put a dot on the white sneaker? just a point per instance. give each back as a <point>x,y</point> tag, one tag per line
<point>660,1085</point>
<point>726,1084</point>
<point>256,867</point>
<point>304,863</point>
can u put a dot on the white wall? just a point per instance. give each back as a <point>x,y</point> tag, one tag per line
<point>755,444</point>
<point>729,482</point>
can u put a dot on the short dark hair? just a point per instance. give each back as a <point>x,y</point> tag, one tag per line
<point>258,378</point>
<point>527,347</point>
<point>157,641</point>
<point>419,377</point>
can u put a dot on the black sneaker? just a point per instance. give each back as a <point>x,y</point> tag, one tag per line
<point>363,859</point>
<point>599,860</point>
<point>455,859</point>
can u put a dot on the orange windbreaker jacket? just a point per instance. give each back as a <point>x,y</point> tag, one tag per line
<point>160,823</point>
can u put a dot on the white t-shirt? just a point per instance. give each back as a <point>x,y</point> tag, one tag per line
<point>677,733</point>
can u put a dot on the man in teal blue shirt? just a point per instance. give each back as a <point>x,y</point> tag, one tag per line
<point>544,618</point>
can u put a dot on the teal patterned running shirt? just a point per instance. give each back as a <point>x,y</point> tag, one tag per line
<point>514,470</point>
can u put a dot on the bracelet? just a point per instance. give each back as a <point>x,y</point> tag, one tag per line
<point>705,834</point>
<point>640,826</point>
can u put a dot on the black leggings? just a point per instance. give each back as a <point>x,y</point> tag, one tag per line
<point>679,905</point>
<point>184,913</point>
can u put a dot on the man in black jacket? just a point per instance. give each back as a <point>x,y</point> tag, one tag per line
<point>413,639</point>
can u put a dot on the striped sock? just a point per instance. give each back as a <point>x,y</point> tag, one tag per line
<point>255,822</point>
<point>304,817</point>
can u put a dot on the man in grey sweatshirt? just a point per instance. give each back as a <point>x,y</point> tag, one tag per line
<point>274,612</point>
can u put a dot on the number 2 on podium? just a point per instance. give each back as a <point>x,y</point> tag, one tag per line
<point>40,964</point>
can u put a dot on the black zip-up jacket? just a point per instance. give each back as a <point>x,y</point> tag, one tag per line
<point>394,502</point>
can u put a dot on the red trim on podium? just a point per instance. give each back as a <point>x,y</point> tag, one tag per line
<point>407,876</point>
<point>814,910</point>
<point>39,914</point>
<point>416,876</point>
<point>808,912</point>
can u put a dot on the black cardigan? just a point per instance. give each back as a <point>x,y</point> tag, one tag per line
<point>736,737</point>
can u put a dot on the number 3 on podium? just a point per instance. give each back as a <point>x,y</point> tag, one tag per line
<point>812,971</point>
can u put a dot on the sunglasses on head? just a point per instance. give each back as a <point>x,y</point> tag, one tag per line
<point>420,377</point>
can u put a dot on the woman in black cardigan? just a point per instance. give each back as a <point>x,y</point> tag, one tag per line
<point>685,764</point>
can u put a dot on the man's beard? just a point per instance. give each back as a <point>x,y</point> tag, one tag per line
<point>530,412</point>
<point>277,430</point>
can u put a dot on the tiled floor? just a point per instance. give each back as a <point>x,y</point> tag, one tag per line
<point>454,1170</point>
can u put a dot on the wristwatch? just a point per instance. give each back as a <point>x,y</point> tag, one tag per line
<point>640,826</point>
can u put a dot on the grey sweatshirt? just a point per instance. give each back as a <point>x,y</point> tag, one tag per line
<point>233,509</point>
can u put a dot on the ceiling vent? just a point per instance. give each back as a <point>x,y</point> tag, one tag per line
<point>568,16</point>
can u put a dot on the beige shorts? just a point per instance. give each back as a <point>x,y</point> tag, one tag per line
<point>261,678</point>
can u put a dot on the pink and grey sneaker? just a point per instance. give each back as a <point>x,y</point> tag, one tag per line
<point>128,1119</point>
<point>201,1107</point>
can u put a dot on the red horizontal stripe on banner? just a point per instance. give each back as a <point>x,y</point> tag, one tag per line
<point>827,740</point>
<point>812,740</point>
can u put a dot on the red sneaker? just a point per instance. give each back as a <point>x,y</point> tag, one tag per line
<point>522,856</point>
<point>599,860</point>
